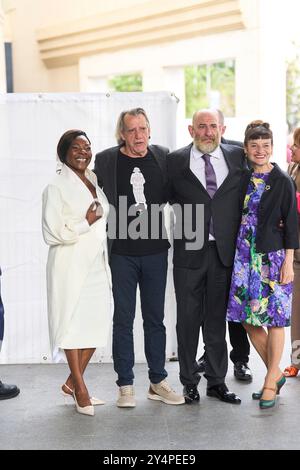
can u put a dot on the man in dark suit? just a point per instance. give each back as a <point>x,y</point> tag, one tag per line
<point>205,173</point>
<point>136,171</point>
<point>6,391</point>
<point>239,354</point>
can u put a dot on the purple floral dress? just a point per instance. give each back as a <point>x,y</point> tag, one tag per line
<point>256,297</point>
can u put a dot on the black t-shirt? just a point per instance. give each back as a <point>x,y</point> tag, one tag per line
<point>140,227</point>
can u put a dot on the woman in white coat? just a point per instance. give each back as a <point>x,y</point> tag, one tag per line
<point>75,213</point>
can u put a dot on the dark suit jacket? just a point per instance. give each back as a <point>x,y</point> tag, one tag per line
<point>106,171</point>
<point>278,203</point>
<point>237,143</point>
<point>224,207</point>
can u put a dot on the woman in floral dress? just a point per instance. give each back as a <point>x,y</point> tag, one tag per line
<point>261,286</point>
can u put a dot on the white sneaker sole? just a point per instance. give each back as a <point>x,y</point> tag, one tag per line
<point>165,400</point>
<point>126,405</point>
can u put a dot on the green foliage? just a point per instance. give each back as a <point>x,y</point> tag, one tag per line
<point>293,89</point>
<point>210,85</point>
<point>132,82</point>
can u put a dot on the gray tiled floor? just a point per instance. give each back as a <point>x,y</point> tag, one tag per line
<point>39,419</point>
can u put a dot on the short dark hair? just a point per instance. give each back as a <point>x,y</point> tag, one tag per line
<point>65,142</point>
<point>258,130</point>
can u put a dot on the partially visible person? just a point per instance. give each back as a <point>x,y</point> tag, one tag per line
<point>289,154</point>
<point>239,354</point>
<point>75,212</point>
<point>136,171</point>
<point>6,390</point>
<point>294,172</point>
<point>261,286</point>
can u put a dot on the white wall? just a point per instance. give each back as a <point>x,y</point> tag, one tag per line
<point>2,56</point>
<point>260,70</point>
<point>25,17</point>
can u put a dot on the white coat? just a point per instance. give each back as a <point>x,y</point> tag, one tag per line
<point>74,246</point>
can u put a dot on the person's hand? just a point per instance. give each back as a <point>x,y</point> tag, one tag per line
<point>286,272</point>
<point>94,213</point>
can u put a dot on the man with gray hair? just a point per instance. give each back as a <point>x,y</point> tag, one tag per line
<point>206,173</point>
<point>136,171</point>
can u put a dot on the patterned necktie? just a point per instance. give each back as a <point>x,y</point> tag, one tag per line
<point>210,176</point>
<point>211,183</point>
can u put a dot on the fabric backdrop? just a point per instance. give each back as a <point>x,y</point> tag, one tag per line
<point>30,127</point>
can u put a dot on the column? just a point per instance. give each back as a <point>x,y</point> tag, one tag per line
<point>260,76</point>
<point>2,54</point>
<point>175,82</point>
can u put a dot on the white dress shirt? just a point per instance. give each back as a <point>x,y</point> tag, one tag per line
<point>197,166</point>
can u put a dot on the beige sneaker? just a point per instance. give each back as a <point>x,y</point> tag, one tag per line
<point>126,397</point>
<point>163,392</point>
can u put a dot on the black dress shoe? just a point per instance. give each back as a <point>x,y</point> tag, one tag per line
<point>8,391</point>
<point>222,393</point>
<point>242,372</point>
<point>191,394</point>
<point>201,364</point>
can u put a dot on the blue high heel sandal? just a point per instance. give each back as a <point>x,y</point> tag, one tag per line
<point>280,383</point>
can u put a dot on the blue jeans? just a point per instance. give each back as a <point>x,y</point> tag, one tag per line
<point>150,273</point>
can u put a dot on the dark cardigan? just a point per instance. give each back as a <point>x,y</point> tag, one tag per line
<point>278,203</point>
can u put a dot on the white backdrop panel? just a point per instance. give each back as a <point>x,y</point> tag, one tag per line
<point>30,127</point>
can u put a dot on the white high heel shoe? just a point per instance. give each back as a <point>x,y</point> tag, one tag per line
<point>84,410</point>
<point>94,401</point>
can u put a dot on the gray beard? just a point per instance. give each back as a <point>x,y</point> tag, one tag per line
<point>206,148</point>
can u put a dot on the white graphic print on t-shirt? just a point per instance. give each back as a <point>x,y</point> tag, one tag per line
<point>137,181</point>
